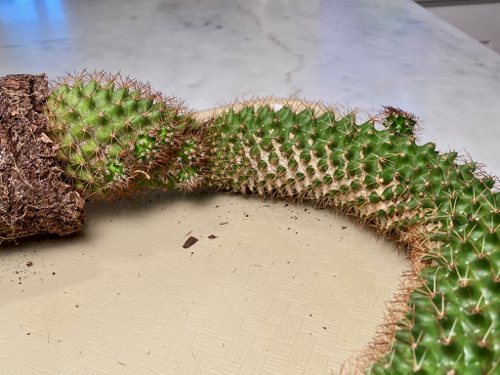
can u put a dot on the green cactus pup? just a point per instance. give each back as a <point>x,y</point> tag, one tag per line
<point>118,137</point>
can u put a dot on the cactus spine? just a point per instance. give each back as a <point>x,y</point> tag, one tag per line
<point>119,139</point>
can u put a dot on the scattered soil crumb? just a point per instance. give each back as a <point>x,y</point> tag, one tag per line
<point>212,236</point>
<point>190,242</point>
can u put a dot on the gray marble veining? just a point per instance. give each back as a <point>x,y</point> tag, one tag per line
<point>360,53</point>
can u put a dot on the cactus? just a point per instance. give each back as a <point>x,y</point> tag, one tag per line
<point>445,212</point>
<point>116,137</point>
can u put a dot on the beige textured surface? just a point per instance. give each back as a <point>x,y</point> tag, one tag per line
<point>283,289</point>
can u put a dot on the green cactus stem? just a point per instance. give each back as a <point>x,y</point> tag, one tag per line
<point>116,137</point>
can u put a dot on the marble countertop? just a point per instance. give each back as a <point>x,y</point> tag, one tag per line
<point>359,53</point>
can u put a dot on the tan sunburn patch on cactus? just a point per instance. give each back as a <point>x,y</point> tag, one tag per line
<point>276,103</point>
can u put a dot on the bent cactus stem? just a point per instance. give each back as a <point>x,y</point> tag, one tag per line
<point>114,137</point>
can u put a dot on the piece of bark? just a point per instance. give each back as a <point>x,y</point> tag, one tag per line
<point>190,242</point>
<point>34,198</point>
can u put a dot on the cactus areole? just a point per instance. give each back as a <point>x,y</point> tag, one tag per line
<point>113,136</point>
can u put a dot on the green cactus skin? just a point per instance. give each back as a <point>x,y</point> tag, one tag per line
<point>442,208</point>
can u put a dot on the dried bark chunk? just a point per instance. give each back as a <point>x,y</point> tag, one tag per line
<point>34,198</point>
<point>190,242</point>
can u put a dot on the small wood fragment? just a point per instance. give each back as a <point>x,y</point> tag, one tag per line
<point>190,242</point>
<point>45,138</point>
<point>11,84</point>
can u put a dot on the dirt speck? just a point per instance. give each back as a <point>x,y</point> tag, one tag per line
<point>190,242</point>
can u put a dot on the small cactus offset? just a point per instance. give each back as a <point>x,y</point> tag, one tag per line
<point>115,137</point>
